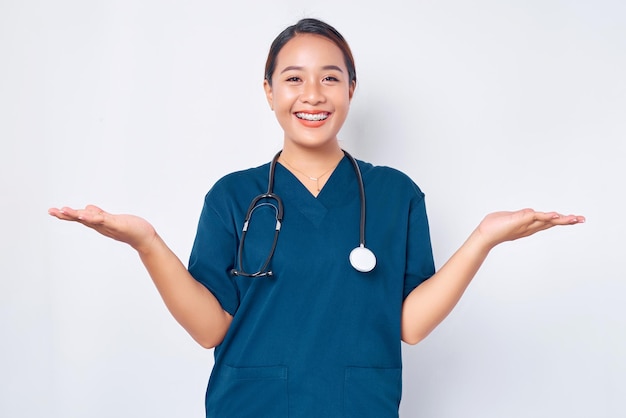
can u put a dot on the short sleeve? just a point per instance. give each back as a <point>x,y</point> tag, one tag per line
<point>420,264</point>
<point>213,252</point>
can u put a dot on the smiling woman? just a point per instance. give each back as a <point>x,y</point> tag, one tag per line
<point>311,336</point>
<point>310,92</point>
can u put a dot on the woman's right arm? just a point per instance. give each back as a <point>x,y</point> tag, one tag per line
<point>191,304</point>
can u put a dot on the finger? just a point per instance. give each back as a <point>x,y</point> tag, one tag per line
<point>94,208</point>
<point>70,213</point>
<point>65,213</point>
<point>567,220</point>
<point>555,218</point>
<point>91,216</point>
<point>576,219</point>
<point>56,212</point>
<point>545,220</point>
<point>537,226</point>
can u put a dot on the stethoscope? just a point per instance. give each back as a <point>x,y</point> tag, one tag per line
<point>361,258</point>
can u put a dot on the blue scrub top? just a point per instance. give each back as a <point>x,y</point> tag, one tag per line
<point>318,338</point>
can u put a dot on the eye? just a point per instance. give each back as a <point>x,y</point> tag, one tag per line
<point>331,78</point>
<point>293,79</point>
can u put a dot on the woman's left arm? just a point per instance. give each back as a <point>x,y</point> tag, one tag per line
<point>430,302</point>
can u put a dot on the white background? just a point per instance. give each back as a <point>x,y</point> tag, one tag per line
<point>140,106</point>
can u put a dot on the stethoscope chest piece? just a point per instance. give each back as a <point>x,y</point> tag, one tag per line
<point>362,259</point>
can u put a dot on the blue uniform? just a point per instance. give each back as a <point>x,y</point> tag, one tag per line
<point>318,338</point>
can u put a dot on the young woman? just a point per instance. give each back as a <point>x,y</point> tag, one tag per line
<point>306,321</point>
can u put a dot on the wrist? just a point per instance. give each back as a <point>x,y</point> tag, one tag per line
<point>481,242</point>
<point>149,245</point>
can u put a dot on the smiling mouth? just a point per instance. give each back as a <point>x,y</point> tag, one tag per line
<point>314,117</point>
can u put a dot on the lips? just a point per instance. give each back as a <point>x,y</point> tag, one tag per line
<point>312,117</point>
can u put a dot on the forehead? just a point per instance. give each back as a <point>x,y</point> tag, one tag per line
<point>308,50</point>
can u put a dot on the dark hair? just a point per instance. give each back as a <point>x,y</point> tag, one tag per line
<point>314,27</point>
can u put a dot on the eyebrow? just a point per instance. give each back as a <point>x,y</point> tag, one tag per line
<point>299,68</point>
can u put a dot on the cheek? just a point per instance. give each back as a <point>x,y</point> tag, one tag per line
<point>282,100</point>
<point>343,101</point>
<point>283,96</point>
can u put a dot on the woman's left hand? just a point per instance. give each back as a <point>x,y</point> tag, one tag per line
<point>499,227</point>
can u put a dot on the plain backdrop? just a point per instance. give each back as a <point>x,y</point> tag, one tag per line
<point>140,106</point>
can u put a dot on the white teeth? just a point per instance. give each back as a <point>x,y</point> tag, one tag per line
<point>312,116</point>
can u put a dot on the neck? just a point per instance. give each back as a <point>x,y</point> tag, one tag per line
<point>311,167</point>
<point>312,161</point>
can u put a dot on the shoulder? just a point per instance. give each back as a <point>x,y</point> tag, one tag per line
<point>241,181</point>
<point>232,193</point>
<point>243,176</point>
<point>390,179</point>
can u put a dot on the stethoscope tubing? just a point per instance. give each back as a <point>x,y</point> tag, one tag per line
<point>279,210</point>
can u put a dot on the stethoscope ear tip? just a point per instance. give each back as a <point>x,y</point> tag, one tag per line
<point>362,259</point>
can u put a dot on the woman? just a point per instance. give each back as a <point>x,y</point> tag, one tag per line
<point>298,330</point>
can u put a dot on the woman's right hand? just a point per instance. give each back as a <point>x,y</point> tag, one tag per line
<point>133,230</point>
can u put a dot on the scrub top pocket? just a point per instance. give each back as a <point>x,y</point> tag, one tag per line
<point>372,392</point>
<point>250,392</point>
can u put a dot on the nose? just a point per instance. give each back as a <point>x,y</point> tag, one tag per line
<point>312,93</point>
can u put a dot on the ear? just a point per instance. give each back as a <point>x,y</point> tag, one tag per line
<point>351,90</point>
<point>268,93</point>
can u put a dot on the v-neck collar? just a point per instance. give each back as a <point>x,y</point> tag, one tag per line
<point>337,191</point>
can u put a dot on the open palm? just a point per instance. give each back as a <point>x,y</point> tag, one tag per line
<point>133,230</point>
<point>498,227</point>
